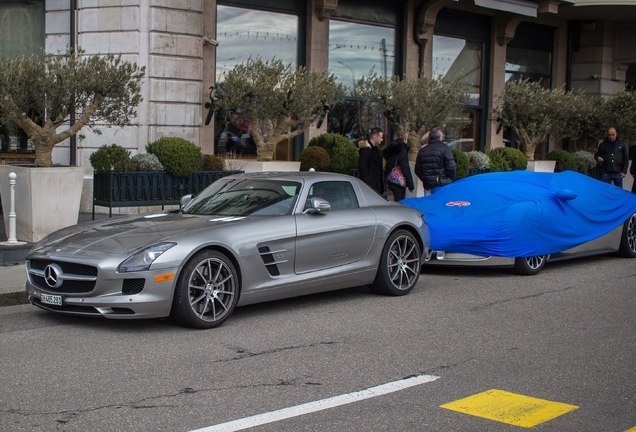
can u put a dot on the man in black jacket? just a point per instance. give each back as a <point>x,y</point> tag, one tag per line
<point>370,166</point>
<point>434,162</point>
<point>613,158</point>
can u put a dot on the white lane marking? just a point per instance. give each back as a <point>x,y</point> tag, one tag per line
<point>310,407</point>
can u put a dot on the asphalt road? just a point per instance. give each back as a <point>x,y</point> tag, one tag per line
<point>557,350</point>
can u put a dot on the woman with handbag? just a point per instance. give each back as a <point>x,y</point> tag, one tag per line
<point>397,170</point>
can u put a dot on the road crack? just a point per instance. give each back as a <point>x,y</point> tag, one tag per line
<point>514,299</point>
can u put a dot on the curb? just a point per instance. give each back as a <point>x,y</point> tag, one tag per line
<point>14,298</point>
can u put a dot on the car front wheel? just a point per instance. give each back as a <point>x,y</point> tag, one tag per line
<point>628,239</point>
<point>530,265</point>
<point>399,267</point>
<point>206,292</point>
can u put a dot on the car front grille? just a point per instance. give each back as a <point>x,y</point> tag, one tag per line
<point>133,286</point>
<point>64,277</point>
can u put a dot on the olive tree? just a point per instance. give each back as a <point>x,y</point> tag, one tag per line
<point>278,101</point>
<point>38,94</point>
<point>620,112</point>
<point>533,111</point>
<point>415,105</point>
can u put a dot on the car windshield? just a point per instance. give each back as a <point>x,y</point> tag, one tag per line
<point>245,197</point>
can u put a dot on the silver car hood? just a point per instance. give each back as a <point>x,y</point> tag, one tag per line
<point>126,235</point>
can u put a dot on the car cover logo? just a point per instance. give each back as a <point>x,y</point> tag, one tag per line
<point>458,203</point>
<point>52,275</point>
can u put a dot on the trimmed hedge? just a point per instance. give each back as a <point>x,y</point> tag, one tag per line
<point>566,161</point>
<point>314,157</point>
<point>507,159</point>
<point>110,158</point>
<point>461,164</point>
<point>180,157</point>
<point>342,152</point>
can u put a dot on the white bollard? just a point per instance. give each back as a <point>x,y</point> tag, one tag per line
<point>12,239</point>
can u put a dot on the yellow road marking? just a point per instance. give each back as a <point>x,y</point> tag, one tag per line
<point>631,430</point>
<point>510,408</point>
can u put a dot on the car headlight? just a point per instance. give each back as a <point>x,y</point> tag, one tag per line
<point>141,260</point>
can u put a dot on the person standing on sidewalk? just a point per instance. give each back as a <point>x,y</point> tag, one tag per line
<point>434,162</point>
<point>370,160</point>
<point>613,158</point>
<point>397,155</point>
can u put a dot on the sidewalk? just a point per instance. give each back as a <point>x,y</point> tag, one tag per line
<point>12,269</point>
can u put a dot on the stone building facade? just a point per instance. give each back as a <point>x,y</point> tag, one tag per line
<point>186,44</point>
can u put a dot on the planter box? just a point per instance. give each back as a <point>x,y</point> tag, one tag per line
<point>248,165</point>
<point>541,166</point>
<point>135,189</point>
<point>46,199</point>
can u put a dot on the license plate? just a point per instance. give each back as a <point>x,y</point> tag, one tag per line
<point>55,300</point>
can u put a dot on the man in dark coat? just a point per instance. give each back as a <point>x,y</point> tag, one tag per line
<point>370,168</point>
<point>613,158</point>
<point>434,161</point>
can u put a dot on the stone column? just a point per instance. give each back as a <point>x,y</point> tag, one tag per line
<point>318,13</point>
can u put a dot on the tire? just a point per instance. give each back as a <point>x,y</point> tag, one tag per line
<point>627,248</point>
<point>530,266</point>
<point>207,291</point>
<point>399,267</point>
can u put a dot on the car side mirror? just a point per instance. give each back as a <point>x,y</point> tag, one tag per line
<point>318,206</point>
<point>185,200</point>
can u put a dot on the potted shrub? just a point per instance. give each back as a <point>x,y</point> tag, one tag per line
<point>461,164</point>
<point>478,162</point>
<point>343,154</point>
<point>507,159</point>
<point>38,94</point>
<point>314,157</point>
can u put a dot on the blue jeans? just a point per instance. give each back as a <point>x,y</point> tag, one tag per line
<point>608,177</point>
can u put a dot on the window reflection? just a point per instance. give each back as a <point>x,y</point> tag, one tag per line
<point>244,32</point>
<point>21,28</point>
<point>458,60</point>
<point>529,64</point>
<point>355,49</point>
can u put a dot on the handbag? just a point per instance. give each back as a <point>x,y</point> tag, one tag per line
<point>443,181</point>
<point>395,176</point>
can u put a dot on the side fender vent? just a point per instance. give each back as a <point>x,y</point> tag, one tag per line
<point>271,264</point>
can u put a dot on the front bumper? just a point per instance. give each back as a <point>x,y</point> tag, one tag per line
<point>107,293</point>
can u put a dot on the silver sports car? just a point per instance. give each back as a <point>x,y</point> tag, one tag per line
<point>245,239</point>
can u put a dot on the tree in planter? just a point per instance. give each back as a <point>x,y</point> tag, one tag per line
<point>415,106</point>
<point>38,93</point>
<point>533,112</point>
<point>278,101</point>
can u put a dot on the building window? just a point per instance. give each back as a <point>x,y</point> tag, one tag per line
<point>460,60</point>
<point>244,33</point>
<point>357,49</point>
<point>460,45</point>
<point>21,28</point>
<point>21,33</point>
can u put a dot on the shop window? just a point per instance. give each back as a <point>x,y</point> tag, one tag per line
<point>356,50</point>
<point>21,28</point>
<point>460,60</point>
<point>21,33</point>
<point>244,33</point>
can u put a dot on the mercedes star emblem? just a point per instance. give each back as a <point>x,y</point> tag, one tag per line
<point>52,274</point>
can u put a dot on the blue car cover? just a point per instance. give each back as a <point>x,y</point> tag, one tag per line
<point>522,213</point>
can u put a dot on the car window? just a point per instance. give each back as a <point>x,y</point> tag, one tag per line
<point>246,197</point>
<point>340,195</point>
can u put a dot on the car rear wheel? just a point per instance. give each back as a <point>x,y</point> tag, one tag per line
<point>530,265</point>
<point>628,239</point>
<point>399,267</point>
<point>206,292</point>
